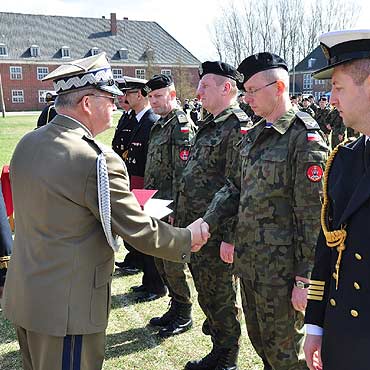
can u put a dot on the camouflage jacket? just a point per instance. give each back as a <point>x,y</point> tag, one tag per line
<point>336,123</point>
<point>168,151</point>
<point>276,193</point>
<point>322,117</point>
<point>210,162</point>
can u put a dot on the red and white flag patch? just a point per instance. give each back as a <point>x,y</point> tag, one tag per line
<point>313,136</point>
<point>184,129</point>
<point>314,173</point>
<point>184,155</point>
<point>243,130</point>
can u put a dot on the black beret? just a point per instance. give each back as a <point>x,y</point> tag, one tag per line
<point>221,69</point>
<point>258,63</point>
<point>157,82</point>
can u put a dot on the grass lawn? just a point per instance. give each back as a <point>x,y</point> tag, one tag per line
<point>131,344</point>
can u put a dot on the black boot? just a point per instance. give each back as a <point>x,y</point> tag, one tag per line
<point>228,359</point>
<point>167,317</point>
<point>208,362</point>
<point>181,322</point>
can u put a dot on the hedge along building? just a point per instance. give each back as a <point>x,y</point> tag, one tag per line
<point>31,46</point>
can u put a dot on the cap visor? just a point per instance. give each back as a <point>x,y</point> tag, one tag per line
<point>111,89</point>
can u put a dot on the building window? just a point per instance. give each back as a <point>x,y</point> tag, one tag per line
<point>42,94</point>
<point>166,72</point>
<point>307,81</point>
<point>17,96</point>
<point>66,52</point>
<point>35,51</point>
<point>117,73</point>
<point>123,53</point>
<point>42,72</point>
<point>16,73</point>
<point>94,50</point>
<point>3,50</point>
<point>140,73</point>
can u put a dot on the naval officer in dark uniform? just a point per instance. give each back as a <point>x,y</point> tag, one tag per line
<point>338,311</point>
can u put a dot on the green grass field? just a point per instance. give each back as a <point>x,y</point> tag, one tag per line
<point>131,344</point>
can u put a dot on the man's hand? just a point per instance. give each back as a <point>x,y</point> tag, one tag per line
<point>312,351</point>
<point>227,252</point>
<point>199,234</point>
<point>299,296</point>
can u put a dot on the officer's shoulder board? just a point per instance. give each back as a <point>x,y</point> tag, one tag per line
<point>99,147</point>
<point>241,115</point>
<point>181,117</point>
<point>307,120</point>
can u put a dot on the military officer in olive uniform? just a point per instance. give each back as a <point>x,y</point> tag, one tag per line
<point>209,164</point>
<point>168,151</point>
<point>5,242</point>
<point>322,117</point>
<point>338,129</point>
<point>275,192</point>
<point>337,315</point>
<point>306,107</point>
<point>79,190</point>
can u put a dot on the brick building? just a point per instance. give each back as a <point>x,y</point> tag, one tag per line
<point>304,83</point>
<point>31,46</point>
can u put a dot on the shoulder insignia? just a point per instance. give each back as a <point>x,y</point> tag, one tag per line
<point>241,115</point>
<point>93,143</point>
<point>181,116</point>
<point>4,262</point>
<point>308,120</point>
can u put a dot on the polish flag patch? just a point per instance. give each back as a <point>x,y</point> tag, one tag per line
<point>313,136</point>
<point>184,129</point>
<point>314,173</point>
<point>243,130</point>
<point>184,155</point>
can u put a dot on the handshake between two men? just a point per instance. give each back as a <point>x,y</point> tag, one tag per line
<point>199,234</point>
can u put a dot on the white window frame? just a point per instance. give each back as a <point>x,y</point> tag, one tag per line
<point>35,51</point>
<point>17,96</point>
<point>66,52</point>
<point>166,72</point>
<point>42,72</point>
<point>95,50</point>
<point>42,95</point>
<point>16,73</point>
<point>307,81</point>
<point>3,50</point>
<point>140,73</point>
<point>117,73</point>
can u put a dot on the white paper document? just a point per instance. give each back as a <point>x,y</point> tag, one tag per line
<point>157,208</point>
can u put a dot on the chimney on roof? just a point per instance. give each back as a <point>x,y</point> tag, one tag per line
<point>113,23</point>
<point>125,18</point>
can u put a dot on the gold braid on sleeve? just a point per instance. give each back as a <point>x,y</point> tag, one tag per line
<point>333,238</point>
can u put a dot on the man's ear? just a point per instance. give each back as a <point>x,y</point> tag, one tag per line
<point>173,94</point>
<point>85,104</point>
<point>280,87</point>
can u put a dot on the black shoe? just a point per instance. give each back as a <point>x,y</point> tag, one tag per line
<point>228,359</point>
<point>177,326</point>
<point>167,317</point>
<point>138,289</point>
<point>147,297</point>
<point>208,362</point>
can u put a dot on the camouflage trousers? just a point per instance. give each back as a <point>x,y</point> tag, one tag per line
<point>178,279</point>
<point>274,327</point>
<point>217,288</point>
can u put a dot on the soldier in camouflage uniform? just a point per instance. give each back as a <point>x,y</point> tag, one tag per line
<point>275,192</point>
<point>338,128</point>
<point>168,152</point>
<point>306,107</point>
<point>322,117</point>
<point>206,170</point>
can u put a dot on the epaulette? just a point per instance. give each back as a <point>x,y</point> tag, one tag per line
<point>181,117</point>
<point>100,148</point>
<point>308,120</point>
<point>4,262</point>
<point>241,115</point>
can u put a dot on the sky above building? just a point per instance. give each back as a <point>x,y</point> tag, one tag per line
<point>188,21</point>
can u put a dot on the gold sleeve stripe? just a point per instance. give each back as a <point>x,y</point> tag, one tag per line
<point>316,287</point>
<point>315,292</point>
<point>3,265</point>
<point>5,258</point>
<point>314,297</point>
<point>317,282</point>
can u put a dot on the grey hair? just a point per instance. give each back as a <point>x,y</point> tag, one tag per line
<point>71,99</point>
<point>277,74</point>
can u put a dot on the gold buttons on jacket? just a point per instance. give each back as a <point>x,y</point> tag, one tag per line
<point>356,285</point>
<point>332,302</point>
<point>334,276</point>
<point>354,313</point>
<point>358,256</point>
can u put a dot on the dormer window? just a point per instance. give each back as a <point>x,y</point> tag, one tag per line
<point>35,50</point>
<point>311,62</point>
<point>123,53</point>
<point>66,52</point>
<point>3,50</point>
<point>94,50</point>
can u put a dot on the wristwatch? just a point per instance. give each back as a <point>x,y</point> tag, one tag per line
<point>301,285</point>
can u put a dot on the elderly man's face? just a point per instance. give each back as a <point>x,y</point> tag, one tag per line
<point>160,101</point>
<point>351,100</point>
